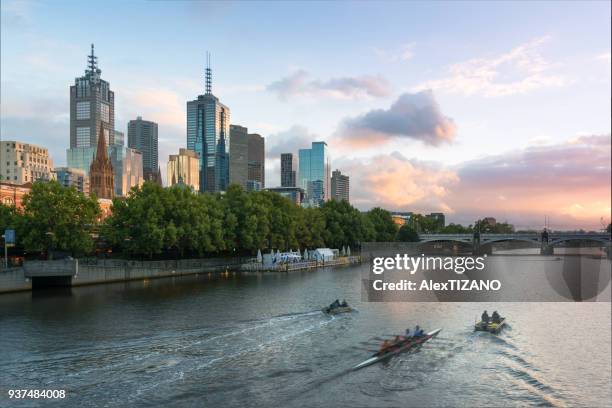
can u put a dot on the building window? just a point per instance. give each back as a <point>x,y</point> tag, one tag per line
<point>105,113</point>
<point>82,136</point>
<point>83,110</point>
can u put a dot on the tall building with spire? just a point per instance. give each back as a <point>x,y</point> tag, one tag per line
<point>101,177</point>
<point>92,113</point>
<point>208,135</point>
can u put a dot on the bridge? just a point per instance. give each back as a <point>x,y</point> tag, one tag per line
<point>545,240</point>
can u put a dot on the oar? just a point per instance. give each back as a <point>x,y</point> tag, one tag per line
<point>365,349</point>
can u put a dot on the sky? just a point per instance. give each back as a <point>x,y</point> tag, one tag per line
<point>470,108</point>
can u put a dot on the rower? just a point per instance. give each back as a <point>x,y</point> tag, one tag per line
<point>418,332</point>
<point>335,304</point>
<point>407,334</point>
<point>485,317</point>
<point>496,317</point>
<point>386,344</point>
<point>344,304</point>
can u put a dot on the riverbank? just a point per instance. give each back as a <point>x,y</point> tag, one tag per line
<point>74,272</point>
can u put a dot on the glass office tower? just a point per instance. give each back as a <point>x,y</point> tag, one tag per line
<point>208,134</point>
<point>313,174</point>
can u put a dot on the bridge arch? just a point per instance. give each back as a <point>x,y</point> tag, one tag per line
<point>603,240</point>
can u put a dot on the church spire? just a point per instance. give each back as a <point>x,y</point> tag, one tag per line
<point>101,152</point>
<point>101,176</point>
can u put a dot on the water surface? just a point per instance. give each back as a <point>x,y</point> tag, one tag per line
<point>260,340</point>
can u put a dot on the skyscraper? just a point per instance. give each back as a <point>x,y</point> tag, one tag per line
<point>208,135</point>
<point>101,177</point>
<point>257,162</point>
<point>313,174</point>
<point>142,135</point>
<point>288,169</point>
<point>127,168</point>
<point>184,168</point>
<point>239,155</point>
<point>92,112</point>
<point>92,107</point>
<point>339,186</point>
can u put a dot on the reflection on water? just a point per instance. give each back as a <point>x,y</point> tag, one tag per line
<point>261,340</point>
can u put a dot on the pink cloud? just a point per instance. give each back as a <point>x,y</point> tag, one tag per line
<point>569,182</point>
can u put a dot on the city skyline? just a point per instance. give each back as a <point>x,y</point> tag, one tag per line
<point>454,149</point>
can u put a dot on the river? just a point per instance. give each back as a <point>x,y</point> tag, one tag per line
<point>260,340</point>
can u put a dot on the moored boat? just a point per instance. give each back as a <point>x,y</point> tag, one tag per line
<point>397,348</point>
<point>491,327</point>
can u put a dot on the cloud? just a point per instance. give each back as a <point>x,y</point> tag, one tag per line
<point>396,183</point>
<point>568,181</point>
<point>402,53</point>
<point>160,105</point>
<point>299,83</point>
<point>521,70</point>
<point>289,141</point>
<point>606,56</point>
<point>413,115</point>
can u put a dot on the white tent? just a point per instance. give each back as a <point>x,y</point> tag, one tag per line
<point>299,252</point>
<point>306,254</point>
<point>343,252</point>
<point>259,257</point>
<point>348,251</point>
<point>324,254</point>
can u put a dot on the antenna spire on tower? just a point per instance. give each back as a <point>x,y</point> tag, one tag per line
<point>208,75</point>
<point>92,61</point>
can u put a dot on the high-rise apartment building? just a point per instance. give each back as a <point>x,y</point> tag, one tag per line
<point>313,173</point>
<point>184,168</point>
<point>92,112</point>
<point>22,163</point>
<point>239,155</point>
<point>257,161</point>
<point>288,169</point>
<point>69,177</point>
<point>142,135</point>
<point>339,186</point>
<point>208,135</point>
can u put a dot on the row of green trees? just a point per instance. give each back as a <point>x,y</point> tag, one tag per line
<point>155,221</point>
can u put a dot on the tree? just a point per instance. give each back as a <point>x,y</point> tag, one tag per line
<point>138,223</point>
<point>384,227</point>
<point>499,228</point>
<point>456,229</point>
<point>407,234</point>
<point>9,217</point>
<point>58,218</point>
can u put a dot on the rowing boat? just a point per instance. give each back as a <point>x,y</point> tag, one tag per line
<point>396,349</point>
<point>491,327</point>
<point>337,310</point>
